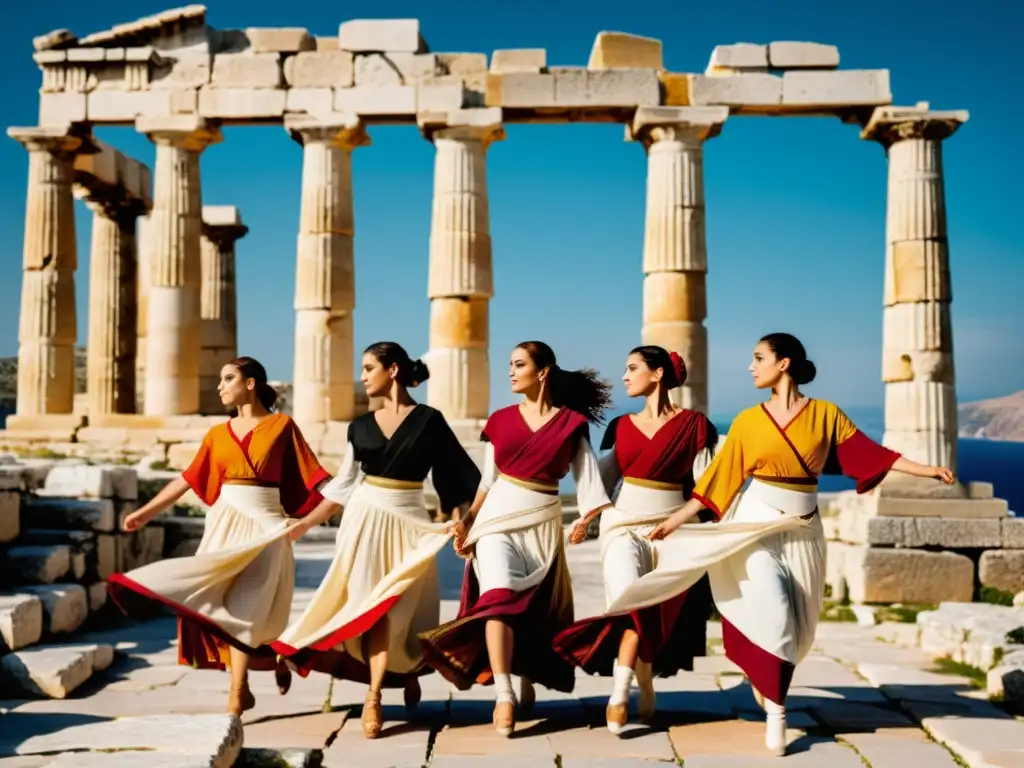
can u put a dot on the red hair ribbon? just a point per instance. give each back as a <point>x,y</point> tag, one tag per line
<point>679,366</point>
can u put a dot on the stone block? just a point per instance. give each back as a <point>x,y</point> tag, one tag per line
<point>875,575</point>
<point>107,553</point>
<point>618,50</point>
<point>126,106</point>
<point>325,43</point>
<point>381,35</point>
<point>738,57</point>
<point>525,60</point>
<point>141,548</point>
<point>676,89</point>
<point>242,102</point>
<point>62,108</point>
<point>320,69</point>
<point>980,491</point>
<point>45,672</point>
<point>395,68</point>
<point>979,634</point>
<point>184,102</point>
<point>739,90</point>
<point>247,70</point>
<point>280,40</point>
<point>21,621</point>
<point>376,100</point>
<point>520,89</point>
<point>1007,684</point>
<point>10,512</point>
<point>1002,569</point>
<point>851,87</point>
<point>185,70</point>
<point>931,532</point>
<point>85,54</point>
<point>97,595</point>
<point>798,55</point>
<point>1013,533</point>
<point>463,63</point>
<point>92,481</point>
<point>607,88</point>
<point>69,514</point>
<point>918,270</point>
<point>917,406</point>
<point>65,606</point>
<point>432,95</point>
<point>35,564</point>
<point>313,101</point>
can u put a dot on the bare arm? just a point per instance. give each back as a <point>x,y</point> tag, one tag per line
<point>320,514</point>
<point>682,515</point>
<point>166,498</point>
<point>908,467</point>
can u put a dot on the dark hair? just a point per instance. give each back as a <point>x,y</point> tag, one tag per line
<point>672,365</point>
<point>251,368</point>
<point>411,373</point>
<point>579,391</point>
<point>785,345</point>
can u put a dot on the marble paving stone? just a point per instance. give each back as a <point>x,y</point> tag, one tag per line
<point>813,754</point>
<point>900,748</point>
<point>473,761</point>
<point>846,717</point>
<point>609,762</point>
<point>301,731</point>
<point>804,696</point>
<point>639,742</point>
<point>148,678</point>
<point>401,743</point>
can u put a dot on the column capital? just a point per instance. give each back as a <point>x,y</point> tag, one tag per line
<point>483,125</point>
<point>188,132</point>
<point>57,139</point>
<point>889,125</point>
<point>688,124</point>
<point>222,224</point>
<point>344,130</point>
<point>114,203</point>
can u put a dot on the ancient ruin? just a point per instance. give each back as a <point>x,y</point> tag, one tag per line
<point>162,315</point>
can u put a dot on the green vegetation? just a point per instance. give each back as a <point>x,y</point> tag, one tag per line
<point>947,666</point>
<point>832,611</point>
<point>994,596</point>
<point>903,614</point>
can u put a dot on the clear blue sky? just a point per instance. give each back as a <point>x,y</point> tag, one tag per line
<point>795,207</point>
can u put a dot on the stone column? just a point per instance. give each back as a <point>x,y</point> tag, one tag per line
<point>142,251</point>
<point>47,328</point>
<point>222,227</point>
<point>113,287</point>
<point>324,382</point>
<point>173,239</point>
<point>460,283</point>
<point>675,249</point>
<point>917,339</point>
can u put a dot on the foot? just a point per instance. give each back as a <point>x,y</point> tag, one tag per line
<point>413,693</point>
<point>645,682</point>
<point>775,733</point>
<point>240,700</point>
<point>283,677</point>
<point>373,718</point>
<point>527,694</point>
<point>505,718</point>
<point>616,715</point>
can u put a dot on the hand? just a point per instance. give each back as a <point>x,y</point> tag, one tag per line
<point>135,521</point>
<point>579,531</point>
<point>945,474</point>
<point>667,526</point>
<point>297,529</point>
<point>461,532</point>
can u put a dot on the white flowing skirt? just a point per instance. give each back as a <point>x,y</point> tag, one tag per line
<point>384,564</point>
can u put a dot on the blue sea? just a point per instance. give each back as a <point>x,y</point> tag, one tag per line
<point>990,461</point>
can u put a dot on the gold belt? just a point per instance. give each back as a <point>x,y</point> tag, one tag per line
<point>655,484</point>
<point>532,485</point>
<point>395,485</point>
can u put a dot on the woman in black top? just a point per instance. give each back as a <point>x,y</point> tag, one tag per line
<point>382,586</point>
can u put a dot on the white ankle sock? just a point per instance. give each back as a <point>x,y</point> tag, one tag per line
<point>622,681</point>
<point>503,688</point>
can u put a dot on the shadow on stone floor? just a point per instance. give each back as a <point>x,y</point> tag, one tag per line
<point>19,727</point>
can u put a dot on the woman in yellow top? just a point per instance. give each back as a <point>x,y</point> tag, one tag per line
<point>766,558</point>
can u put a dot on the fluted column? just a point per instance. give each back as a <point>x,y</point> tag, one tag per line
<point>675,247</point>
<point>173,239</point>
<point>222,227</point>
<point>460,282</point>
<point>47,328</point>
<point>113,286</point>
<point>142,251</point>
<point>324,382</point>
<point>917,339</point>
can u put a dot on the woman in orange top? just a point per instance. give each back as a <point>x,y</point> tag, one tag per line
<point>766,559</point>
<point>234,595</point>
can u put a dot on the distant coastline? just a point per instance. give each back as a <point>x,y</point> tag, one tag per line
<point>999,418</point>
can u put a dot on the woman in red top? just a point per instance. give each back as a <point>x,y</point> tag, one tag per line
<point>652,464</point>
<point>516,594</point>
<point>233,597</point>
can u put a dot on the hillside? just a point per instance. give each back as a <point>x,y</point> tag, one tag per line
<point>1001,418</point>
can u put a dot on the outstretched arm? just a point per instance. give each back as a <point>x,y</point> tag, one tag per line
<point>908,467</point>
<point>166,498</point>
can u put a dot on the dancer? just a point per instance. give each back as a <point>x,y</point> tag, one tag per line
<point>653,457</point>
<point>382,587</point>
<point>234,595</point>
<point>516,594</point>
<point>766,559</point>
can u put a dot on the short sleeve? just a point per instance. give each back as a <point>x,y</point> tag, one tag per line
<point>489,474</point>
<point>590,492</point>
<point>854,454</point>
<point>724,477</point>
<point>301,474</point>
<point>203,476</point>
<point>453,473</point>
<point>343,484</point>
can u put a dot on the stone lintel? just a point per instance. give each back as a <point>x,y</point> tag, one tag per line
<point>189,132</point>
<point>701,123</point>
<point>479,124</point>
<point>888,125</point>
<point>342,129</point>
<point>110,176</point>
<point>53,138</point>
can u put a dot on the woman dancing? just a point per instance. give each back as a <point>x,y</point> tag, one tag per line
<point>382,587</point>
<point>653,458</point>
<point>516,594</point>
<point>766,559</point>
<point>234,595</point>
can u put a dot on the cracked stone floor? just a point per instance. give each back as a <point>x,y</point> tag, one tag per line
<point>858,700</point>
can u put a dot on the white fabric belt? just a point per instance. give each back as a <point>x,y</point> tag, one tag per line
<point>787,502</point>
